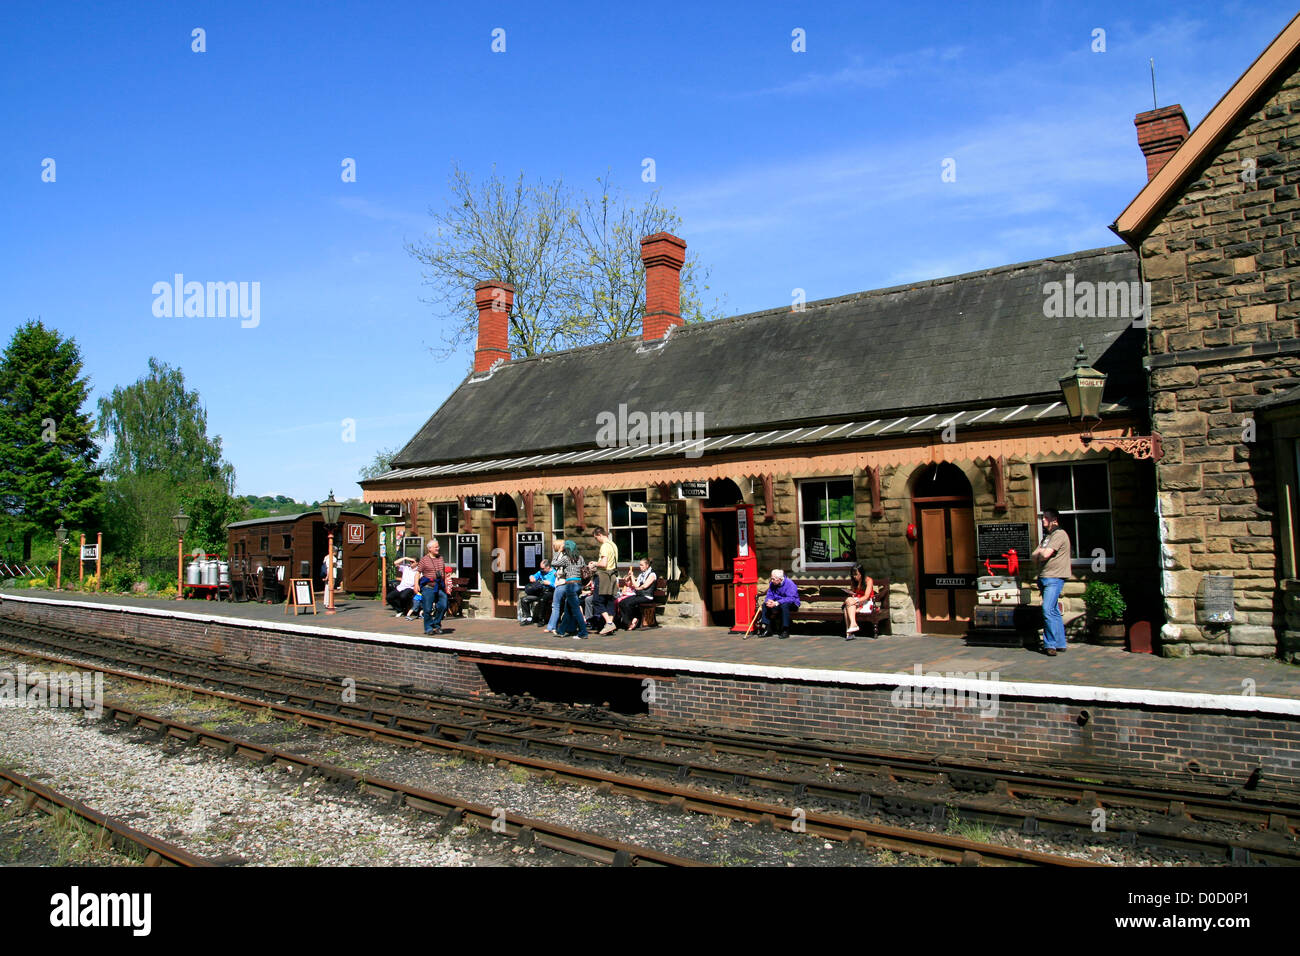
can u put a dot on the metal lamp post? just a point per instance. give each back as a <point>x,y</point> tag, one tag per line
<point>181,522</point>
<point>61,536</point>
<point>330,510</point>
<point>1082,389</point>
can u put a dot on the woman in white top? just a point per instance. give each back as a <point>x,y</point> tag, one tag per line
<point>629,609</point>
<point>401,597</point>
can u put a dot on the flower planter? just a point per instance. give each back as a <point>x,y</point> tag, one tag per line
<point>1108,633</point>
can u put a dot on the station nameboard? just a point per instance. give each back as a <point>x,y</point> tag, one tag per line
<point>995,540</point>
<point>89,552</point>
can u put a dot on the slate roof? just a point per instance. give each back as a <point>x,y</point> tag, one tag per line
<point>922,352</point>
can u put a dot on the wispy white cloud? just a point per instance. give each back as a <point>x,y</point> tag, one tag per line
<point>381,212</point>
<point>858,74</point>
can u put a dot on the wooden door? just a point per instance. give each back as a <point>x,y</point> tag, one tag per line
<point>947,567</point>
<point>719,541</point>
<point>503,580</point>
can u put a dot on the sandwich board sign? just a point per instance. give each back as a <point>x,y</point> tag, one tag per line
<point>301,594</point>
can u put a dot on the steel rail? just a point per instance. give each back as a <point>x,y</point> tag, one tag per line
<point>453,810</point>
<point>1265,848</point>
<point>1177,805</point>
<point>939,846</point>
<point>121,836</point>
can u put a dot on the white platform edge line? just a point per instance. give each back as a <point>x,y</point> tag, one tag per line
<point>1022,689</point>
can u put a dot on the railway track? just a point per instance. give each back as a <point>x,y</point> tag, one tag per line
<point>113,832</point>
<point>452,811</point>
<point>939,846</point>
<point>988,795</point>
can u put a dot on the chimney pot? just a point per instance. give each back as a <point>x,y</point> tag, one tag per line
<point>663,255</point>
<point>1160,133</point>
<point>493,299</point>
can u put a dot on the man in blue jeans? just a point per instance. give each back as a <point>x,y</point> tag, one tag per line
<point>1054,552</point>
<point>433,588</point>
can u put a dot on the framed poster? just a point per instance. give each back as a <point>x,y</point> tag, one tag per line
<point>528,557</point>
<point>467,564</point>
<point>301,594</point>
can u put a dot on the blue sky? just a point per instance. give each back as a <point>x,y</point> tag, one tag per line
<point>819,170</point>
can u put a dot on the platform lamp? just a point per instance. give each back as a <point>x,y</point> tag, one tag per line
<point>181,522</point>
<point>1082,389</point>
<point>60,536</point>
<point>330,510</point>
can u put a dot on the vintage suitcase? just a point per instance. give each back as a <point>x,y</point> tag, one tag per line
<point>998,589</point>
<point>995,616</point>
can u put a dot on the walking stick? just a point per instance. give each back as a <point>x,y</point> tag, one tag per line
<point>752,623</point>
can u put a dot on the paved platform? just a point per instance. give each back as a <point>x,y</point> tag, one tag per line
<point>1085,672</point>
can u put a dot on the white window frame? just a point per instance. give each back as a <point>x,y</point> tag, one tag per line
<point>853,522</point>
<point>1076,558</point>
<point>611,528</point>
<point>446,539</point>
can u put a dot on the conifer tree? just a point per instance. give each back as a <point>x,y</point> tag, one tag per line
<point>47,452</point>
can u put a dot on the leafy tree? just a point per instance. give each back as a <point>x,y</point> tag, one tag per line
<point>47,451</point>
<point>158,451</point>
<point>156,426</point>
<point>381,464</point>
<point>574,260</point>
<point>211,510</point>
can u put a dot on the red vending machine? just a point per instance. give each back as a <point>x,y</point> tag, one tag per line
<point>745,570</point>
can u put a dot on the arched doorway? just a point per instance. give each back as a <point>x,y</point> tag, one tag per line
<point>943,513</point>
<point>501,561</point>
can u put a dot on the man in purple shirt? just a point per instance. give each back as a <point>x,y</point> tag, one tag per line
<point>781,600</point>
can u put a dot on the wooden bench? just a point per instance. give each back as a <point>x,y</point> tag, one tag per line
<point>815,593</point>
<point>649,612</point>
<point>456,596</point>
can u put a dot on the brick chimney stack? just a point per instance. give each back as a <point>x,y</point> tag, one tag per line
<point>493,298</point>
<point>663,255</point>
<point>1160,132</point>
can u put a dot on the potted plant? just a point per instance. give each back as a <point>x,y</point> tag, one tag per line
<point>1106,606</point>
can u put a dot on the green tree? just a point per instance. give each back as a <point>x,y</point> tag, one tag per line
<point>573,258</point>
<point>156,426</point>
<point>47,450</point>
<point>211,510</point>
<point>381,464</point>
<point>158,450</point>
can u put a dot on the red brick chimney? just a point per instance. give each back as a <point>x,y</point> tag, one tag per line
<point>1160,132</point>
<point>663,255</point>
<point>493,298</point>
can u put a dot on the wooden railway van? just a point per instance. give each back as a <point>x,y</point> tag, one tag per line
<point>297,543</point>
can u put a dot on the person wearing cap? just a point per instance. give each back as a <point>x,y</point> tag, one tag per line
<point>781,600</point>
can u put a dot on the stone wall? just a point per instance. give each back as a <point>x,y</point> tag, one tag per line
<point>1224,266</point>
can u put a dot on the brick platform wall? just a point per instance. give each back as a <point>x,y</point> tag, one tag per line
<point>1129,738</point>
<point>337,657</point>
<point>1221,745</point>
